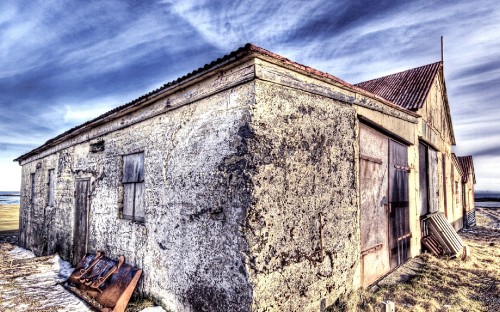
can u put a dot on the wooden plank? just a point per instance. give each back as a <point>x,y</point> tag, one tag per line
<point>372,159</point>
<point>33,188</point>
<point>133,168</point>
<point>373,204</point>
<point>433,181</point>
<point>139,213</point>
<point>399,223</point>
<point>51,187</point>
<point>128,200</point>
<point>423,178</point>
<point>371,249</point>
<point>81,215</point>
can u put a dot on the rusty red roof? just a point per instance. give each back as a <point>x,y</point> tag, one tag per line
<point>407,89</point>
<point>467,168</point>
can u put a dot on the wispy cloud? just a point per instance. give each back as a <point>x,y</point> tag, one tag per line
<point>71,61</point>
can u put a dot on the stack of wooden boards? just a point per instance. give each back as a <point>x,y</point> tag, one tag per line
<point>439,236</point>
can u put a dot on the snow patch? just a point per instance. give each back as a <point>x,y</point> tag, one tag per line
<point>21,253</point>
<point>153,309</point>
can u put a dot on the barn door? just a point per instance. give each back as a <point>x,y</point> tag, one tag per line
<point>399,225</point>
<point>373,181</point>
<point>433,181</point>
<point>81,220</point>
<point>423,179</point>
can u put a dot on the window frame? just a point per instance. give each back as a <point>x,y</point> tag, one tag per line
<point>133,181</point>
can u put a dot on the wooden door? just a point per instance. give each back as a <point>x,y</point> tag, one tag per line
<point>433,181</point>
<point>423,178</point>
<point>80,236</point>
<point>399,224</point>
<point>373,179</point>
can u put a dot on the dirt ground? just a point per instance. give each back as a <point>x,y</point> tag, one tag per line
<point>442,284</point>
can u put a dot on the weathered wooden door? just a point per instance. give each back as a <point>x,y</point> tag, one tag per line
<point>423,178</point>
<point>399,224</point>
<point>373,181</point>
<point>433,181</point>
<point>80,236</point>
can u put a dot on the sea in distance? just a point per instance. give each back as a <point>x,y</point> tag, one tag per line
<point>9,198</point>
<point>487,199</point>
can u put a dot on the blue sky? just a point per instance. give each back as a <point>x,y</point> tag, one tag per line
<point>63,62</point>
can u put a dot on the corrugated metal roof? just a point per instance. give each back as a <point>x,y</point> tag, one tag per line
<point>457,163</point>
<point>407,89</point>
<point>467,168</point>
<point>238,54</point>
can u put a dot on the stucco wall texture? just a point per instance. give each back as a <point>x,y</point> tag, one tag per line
<point>250,196</point>
<point>302,226</point>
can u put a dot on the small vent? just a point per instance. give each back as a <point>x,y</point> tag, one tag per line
<point>97,147</point>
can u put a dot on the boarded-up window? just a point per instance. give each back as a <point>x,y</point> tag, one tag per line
<point>32,188</point>
<point>51,187</point>
<point>133,187</point>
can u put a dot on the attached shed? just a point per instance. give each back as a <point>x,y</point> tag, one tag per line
<point>251,184</point>
<point>468,181</point>
<point>423,90</point>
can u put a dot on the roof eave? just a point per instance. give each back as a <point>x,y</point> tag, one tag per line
<point>155,95</point>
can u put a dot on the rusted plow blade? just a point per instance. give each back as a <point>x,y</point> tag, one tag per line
<point>105,284</point>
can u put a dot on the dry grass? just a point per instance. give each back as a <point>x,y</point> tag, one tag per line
<point>442,284</point>
<point>9,217</point>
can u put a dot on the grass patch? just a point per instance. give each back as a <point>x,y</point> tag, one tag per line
<point>9,217</point>
<point>443,284</point>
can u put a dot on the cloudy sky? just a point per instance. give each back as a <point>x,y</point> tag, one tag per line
<point>63,62</point>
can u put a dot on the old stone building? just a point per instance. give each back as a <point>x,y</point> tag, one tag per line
<point>251,184</point>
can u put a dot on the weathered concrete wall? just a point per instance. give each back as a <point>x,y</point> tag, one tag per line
<point>303,228</point>
<point>191,244</point>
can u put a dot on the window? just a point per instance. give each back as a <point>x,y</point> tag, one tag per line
<point>133,187</point>
<point>32,188</point>
<point>51,187</point>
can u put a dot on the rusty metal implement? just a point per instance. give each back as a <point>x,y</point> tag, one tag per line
<point>103,283</point>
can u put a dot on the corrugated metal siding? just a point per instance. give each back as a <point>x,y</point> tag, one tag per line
<point>470,218</point>
<point>443,233</point>
<point>407,89</point>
